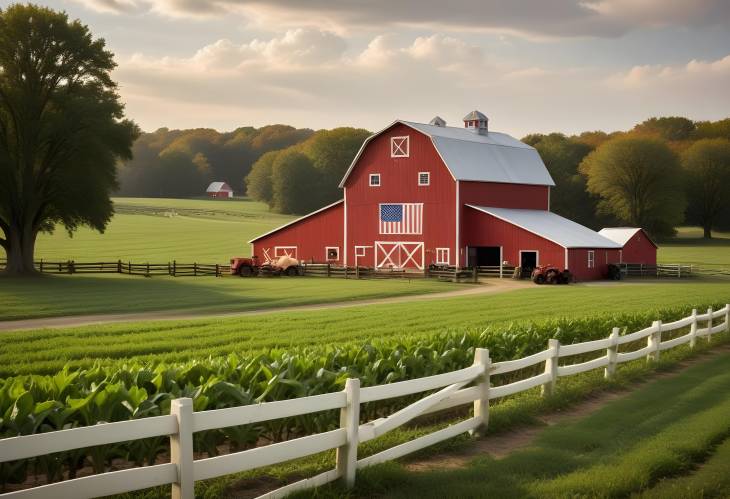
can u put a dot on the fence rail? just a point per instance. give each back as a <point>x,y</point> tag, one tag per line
<point>121,267</point>
<point>183,470</point>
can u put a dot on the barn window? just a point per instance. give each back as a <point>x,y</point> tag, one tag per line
<point>591,259</point>
<point>360,250</point>
<point>424,178</point>
<point>399,147</point>
<point>333,253</point>
<point>374,180</point>
<point>442,256</point>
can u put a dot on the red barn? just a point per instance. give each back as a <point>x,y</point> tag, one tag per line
<point>419,194</point>
<point>219,190</point>
<point>636,245</point>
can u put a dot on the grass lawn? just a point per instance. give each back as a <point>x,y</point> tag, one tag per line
<point>661,430</point>
<point>88,294</point>
<point>690,247</point>
<point>48,350</point>
<point>143,230</point>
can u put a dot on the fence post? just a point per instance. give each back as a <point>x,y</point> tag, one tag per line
<point>727,317</point>
<point>41,269</point>
<point>328,269</point>
<point>174,268</point>
<point>476,274</point>
<point>612,354</point>
<point>653,341</point>
<point>217,270</point>
<point>350,421</point>
<point>481,405</point>
<point>119,266</point>
<point>129,267</point>
<point>551,367</point>
<point>195,269</point>
<point>181,448</point>
<point>693,329</point>
<point>148,269</point>
<point>709,324</point>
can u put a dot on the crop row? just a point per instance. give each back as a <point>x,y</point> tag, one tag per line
<point>121,391</point>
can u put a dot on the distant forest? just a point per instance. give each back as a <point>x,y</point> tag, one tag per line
<point>662,173</point>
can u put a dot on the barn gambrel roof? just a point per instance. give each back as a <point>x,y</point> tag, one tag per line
<point>552,227</point>
<point>492,157</point>
<point>218,187</point>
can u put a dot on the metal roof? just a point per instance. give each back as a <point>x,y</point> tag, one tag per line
<point>218,187</point>
<point>621,235</point>
<point>492,157</point>
<point>552,227</point>
<point>475,115</point>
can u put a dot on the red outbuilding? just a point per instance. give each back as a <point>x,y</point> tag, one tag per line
<point>219,190</point>
<point>636,245</point>
<point>420,194</point>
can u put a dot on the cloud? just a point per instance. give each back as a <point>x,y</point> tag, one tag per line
<point>313,78</point>
<point>555,18</point>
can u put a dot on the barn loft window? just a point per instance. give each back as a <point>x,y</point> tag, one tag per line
<point>442,256</point>
<point>591,259</point>
<point>399,147</point>
<point>333,253</point>
<point>424,178</point>
<point>374,180</point>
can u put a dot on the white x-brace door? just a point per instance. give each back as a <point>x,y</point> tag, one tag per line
<point>398,255</point>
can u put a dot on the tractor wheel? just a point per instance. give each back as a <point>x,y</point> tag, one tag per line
<point>245,271</point>
<point>292,271</point>
<point>552,277</point>
<point>539,279</point>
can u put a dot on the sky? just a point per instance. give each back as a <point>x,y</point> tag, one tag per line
<point>529,65</point>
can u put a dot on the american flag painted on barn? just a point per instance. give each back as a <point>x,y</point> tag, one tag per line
<point>401,218</point>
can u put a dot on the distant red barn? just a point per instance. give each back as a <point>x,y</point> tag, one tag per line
<point>219,190</point>
<point>420,194</point>
<point>636,245</point>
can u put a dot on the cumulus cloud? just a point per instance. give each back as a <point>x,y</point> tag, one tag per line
<point>312,78</point>
<point>557,18</point>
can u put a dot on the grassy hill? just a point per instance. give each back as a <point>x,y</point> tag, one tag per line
<point>690,247</point>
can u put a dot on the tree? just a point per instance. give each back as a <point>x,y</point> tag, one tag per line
<point>639,181</point>
<point>294,183</point>
<point>707,164</point>
<point>668,128</point>
<point>561,156</point>
<point>258,182</point>
<point>62,129</point>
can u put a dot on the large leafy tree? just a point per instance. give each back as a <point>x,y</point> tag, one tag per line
<point>62,129</point>
<point>707,164</point>
<point>639,181</point>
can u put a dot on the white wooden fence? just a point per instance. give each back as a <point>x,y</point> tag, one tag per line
<point>183,470</point>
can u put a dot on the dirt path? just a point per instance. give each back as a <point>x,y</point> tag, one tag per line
<point>492,287</point>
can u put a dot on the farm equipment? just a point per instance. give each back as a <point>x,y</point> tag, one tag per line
<point>615,272</point>
<point>549,274</point>
<point>245,267</point>
<point>282,265</point>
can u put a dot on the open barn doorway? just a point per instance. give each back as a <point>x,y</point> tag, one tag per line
<point>485,256</point>
<point>528,261</point>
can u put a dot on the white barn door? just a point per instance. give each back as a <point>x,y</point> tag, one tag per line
<point>398,255</point>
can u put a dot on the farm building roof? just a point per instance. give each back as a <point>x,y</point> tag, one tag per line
<point>621,235</point>
<point>218,187</point>
<point>297,220</point>
<point>492,157</point>
<point>552,227</point>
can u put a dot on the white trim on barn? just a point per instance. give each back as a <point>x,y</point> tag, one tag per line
<point>327,253</point>
<point>286,252</point>
<point>440,260</point>
<point>300,219</point>
<point>400,146</point>
<point>537,256</point>
<point>388,248</point>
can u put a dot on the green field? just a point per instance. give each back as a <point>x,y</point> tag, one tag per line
<point>690,247</point>
<point>649,442</point>
<point>48,350</point>
<point>162,230</point>
<point>87,294</point>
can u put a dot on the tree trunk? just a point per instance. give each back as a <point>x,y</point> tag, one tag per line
<point>20,250</point>
<point>707,232</point>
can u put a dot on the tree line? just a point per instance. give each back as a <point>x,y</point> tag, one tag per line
<point>662,173</point>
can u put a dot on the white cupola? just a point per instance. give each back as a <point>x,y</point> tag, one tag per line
<point>477,122</point>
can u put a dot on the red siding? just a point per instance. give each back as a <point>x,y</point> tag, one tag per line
<point>486,230</point>
<point>639,249</point>
<point>578,263</point>
<point>311,236</point>
<point>529,197</point>
<point>399,184</point>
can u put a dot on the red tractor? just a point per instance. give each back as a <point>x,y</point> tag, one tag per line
<point>245,267</point>
<point>549,274</point>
